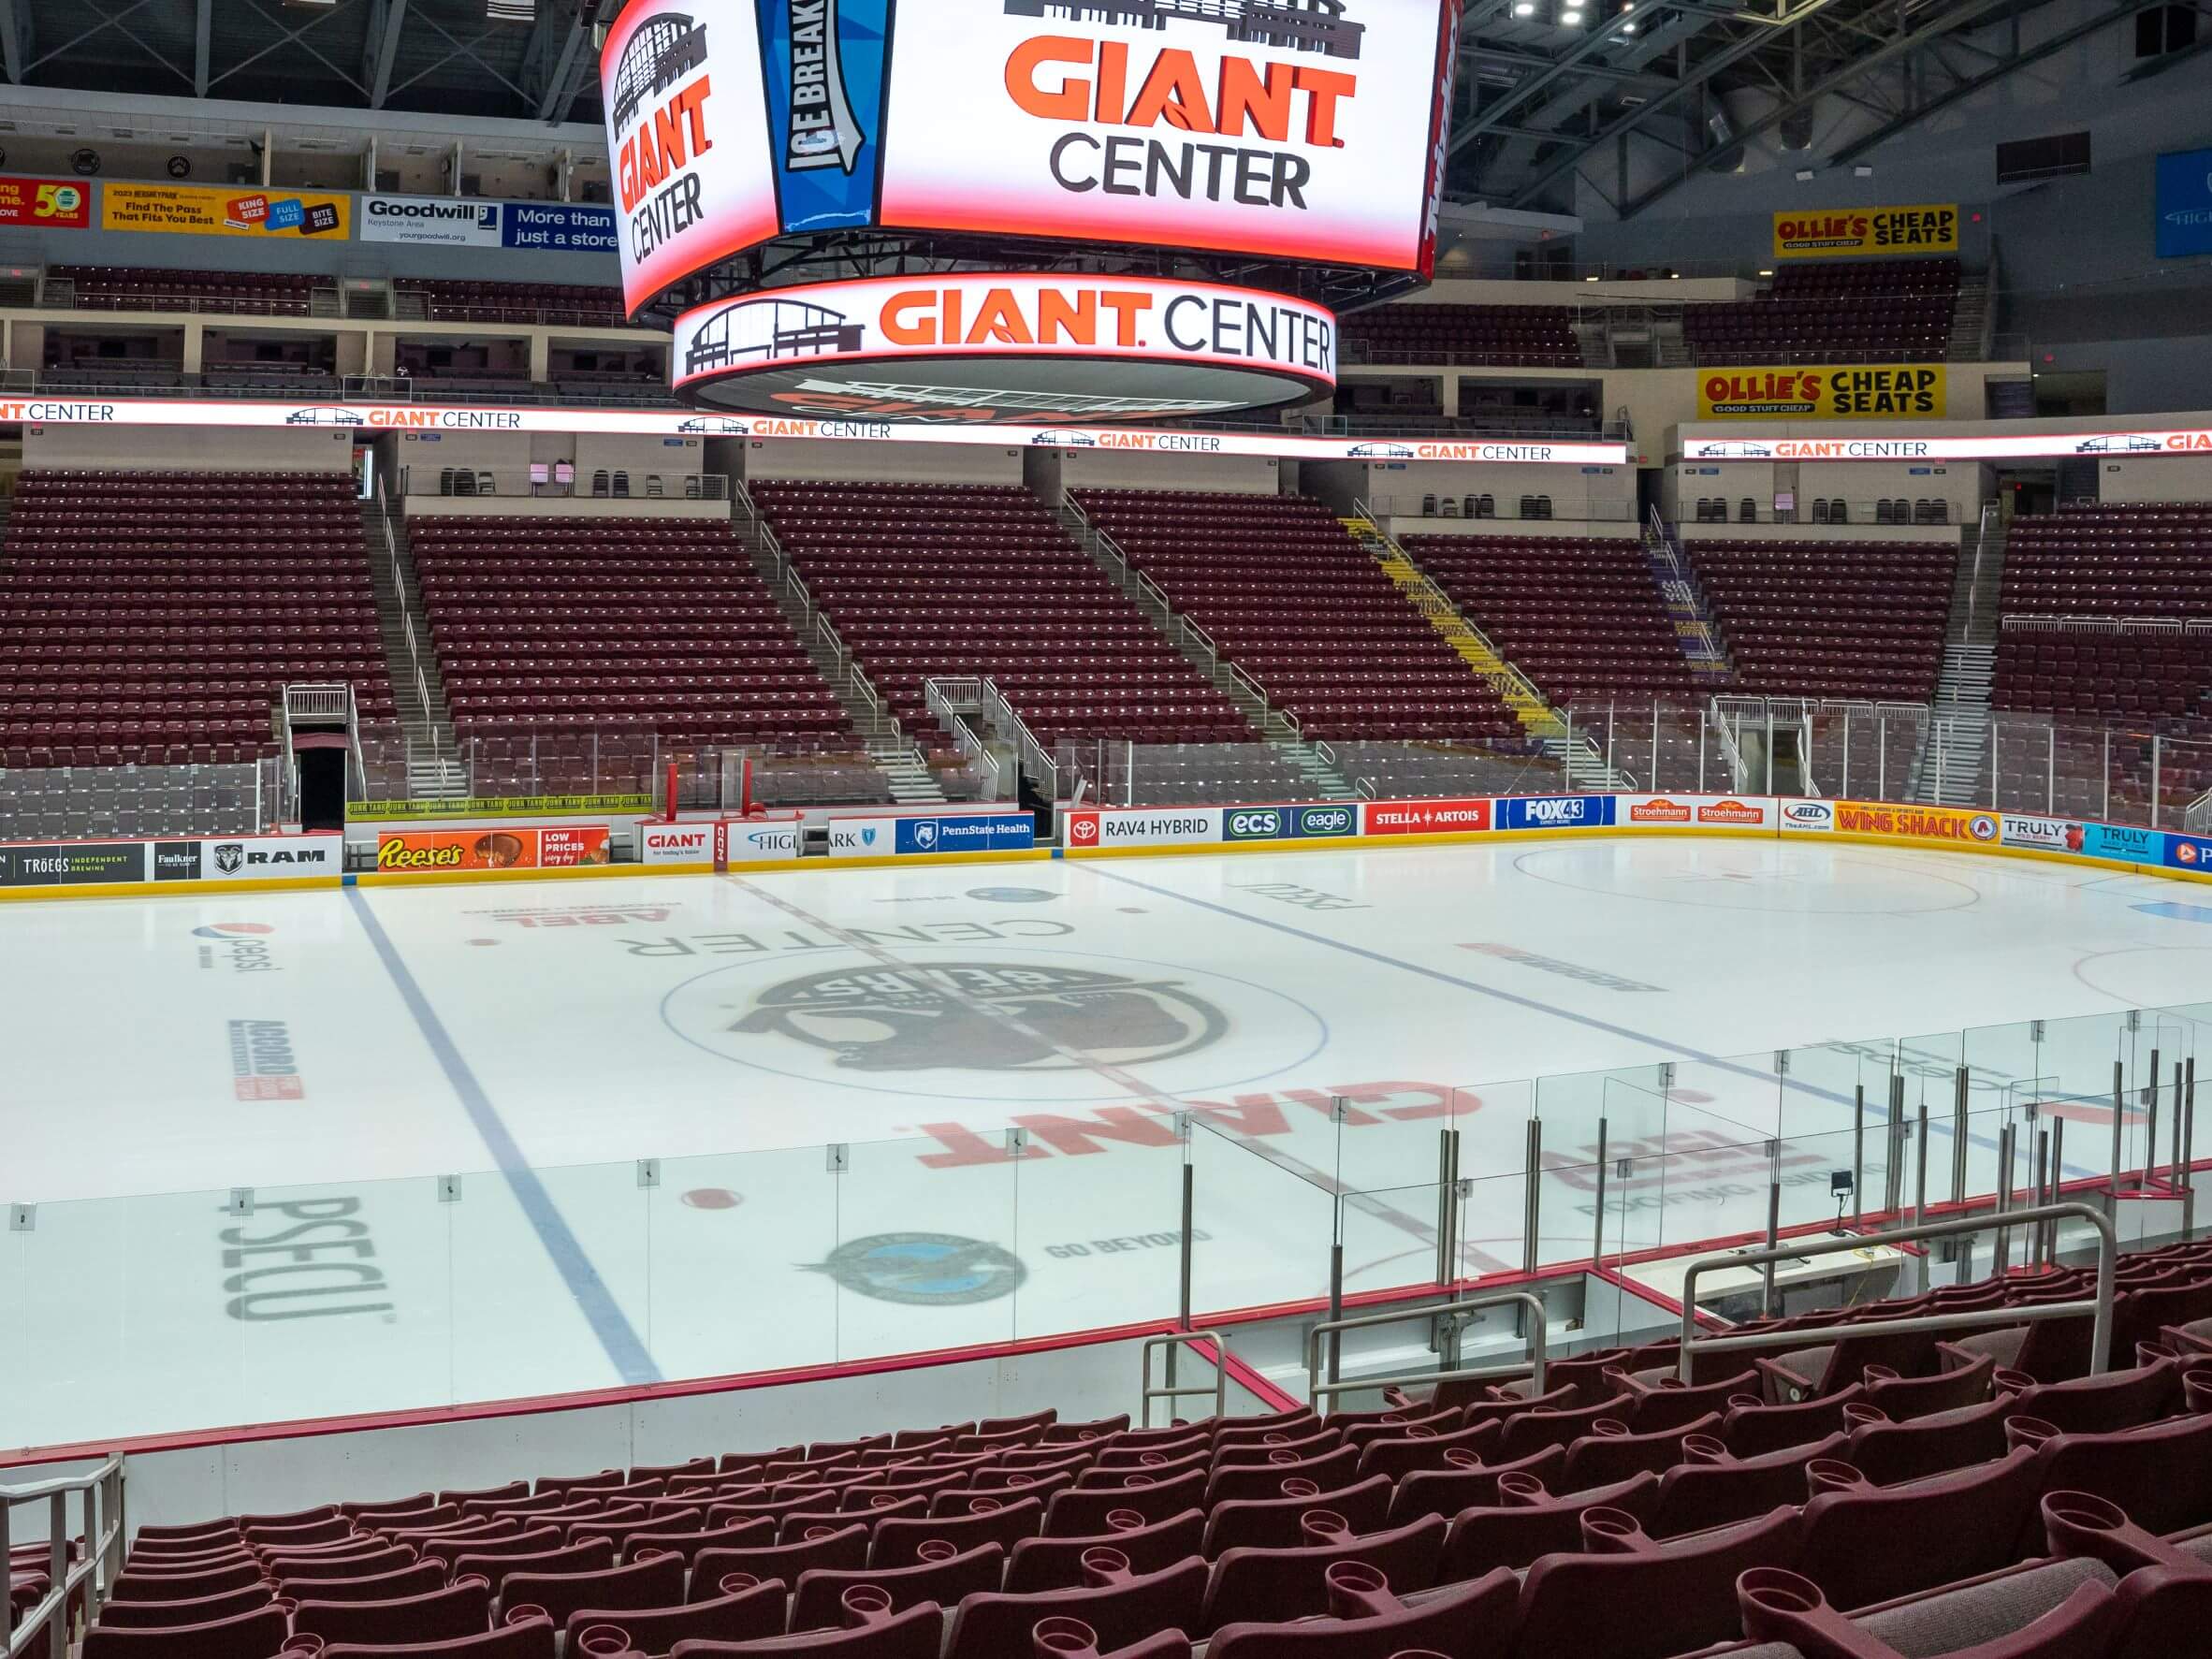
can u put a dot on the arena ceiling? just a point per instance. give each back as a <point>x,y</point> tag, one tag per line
<point>1633,95</point>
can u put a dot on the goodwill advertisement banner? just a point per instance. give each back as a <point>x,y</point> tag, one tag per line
<point>193,209</point>
<point>519,848</point>
<point>1825,393</point>
<point>1928,228</point>
<point>440,221</point>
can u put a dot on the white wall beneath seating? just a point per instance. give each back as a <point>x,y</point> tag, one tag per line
<point>671,458</point>
<point>506,454</point>
<point>278,1475</point>
<point>1578,493</point>
<point>1119,469</point>
<point>1948,535</point>
<point>1962,486</point>
<point>1534,530</point>
<point>867,463</point>
<point>2168,478</point>
<point>160,448</point>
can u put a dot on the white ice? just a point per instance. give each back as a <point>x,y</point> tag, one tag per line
<point>538,1040</point>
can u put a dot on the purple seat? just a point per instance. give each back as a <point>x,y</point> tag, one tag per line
<point>817,1603</point>
<point>461,1609</point>
<point>204,1610</point>
<point>571,1558</point>
<point>133,1585</point>
<point>1330,1472</point>
<point>915,1634</point>
<point>1279,1523</point>
<point>1532,1523</point>
<point>1786,1612</point>
<point>1464,1485</point>
<point>896,1542</point>
<point>1124,1608</point>
<point>2161,1474</point>
<point>1605,1458</point>
<point>841,1550</point>
<point>1903,1398</point>
<point>1404,1454</point>
<point>1887,1453</point>
<point>2095,1405</point>
<point>655,1583</point>
<point>1532,1431</point>
<point>418,1579</point>
<point>1277,1584</point>
<point>744,1615</point>
<point>1057,1564</point>
<point>1070,1514</point>
<point>257,1635</point>
<point>1873,1544</point>
<point>1678,1597</point>
<point>1751,1428</point>
<point>1366,1621</point>
<point>1668,1405</point>
<point>1716,1490</point>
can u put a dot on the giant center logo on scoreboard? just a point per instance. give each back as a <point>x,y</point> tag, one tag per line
<point>1006,347</point>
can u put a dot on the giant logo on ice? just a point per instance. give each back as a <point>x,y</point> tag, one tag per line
<point>985,1016</point>
<point>925,1269</point>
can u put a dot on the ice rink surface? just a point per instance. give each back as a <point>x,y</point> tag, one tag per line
<point>697,1125</point>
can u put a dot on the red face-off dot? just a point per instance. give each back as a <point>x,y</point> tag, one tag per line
<point>713,1197</point>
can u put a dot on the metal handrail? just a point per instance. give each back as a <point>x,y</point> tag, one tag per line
<point>104,1533</point>
<point>2099,1305</point>
<point>1181,1339</point>
<point>1534,1366</point>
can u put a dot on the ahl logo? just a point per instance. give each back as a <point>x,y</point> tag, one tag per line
<point>984,1016</point>
<point>924,1268</point>
<point>1810,814</point>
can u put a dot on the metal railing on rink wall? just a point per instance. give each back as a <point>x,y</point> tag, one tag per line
<point>44,1627</point>
<point>1323,1394</point>
<point>2099,1306</point>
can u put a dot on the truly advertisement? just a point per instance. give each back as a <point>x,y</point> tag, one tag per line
<point>687,127</point>
<point>56,204</point>
<point>1297,131</point>
<point>1005,315</point>
<point>1549,812</point>
<point>417,852</point>
<point>2045,835</point>
<point>1465,815</point>
<point>1828,393</point>
<point>2124,845</point>
<point>1926,228</point>
<point>1916,823</point>
<point>193,209</point>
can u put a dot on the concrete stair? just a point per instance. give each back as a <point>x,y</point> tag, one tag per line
<point>1969,324</point>
<point>1585,766</point>
<point>895,755</point>
<point>1954,759</point>
<point>1249,696</point>
<point>434,769</point>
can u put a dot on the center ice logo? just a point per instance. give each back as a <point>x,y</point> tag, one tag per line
<point>985,1016</point>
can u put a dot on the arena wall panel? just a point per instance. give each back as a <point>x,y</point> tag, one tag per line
<point>158,448</point>
<point>884,463</point>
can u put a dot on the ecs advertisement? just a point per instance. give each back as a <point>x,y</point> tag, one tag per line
<point>1294,129</point>
<point>687,129</point>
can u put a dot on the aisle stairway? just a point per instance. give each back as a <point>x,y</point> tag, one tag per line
<point>892,753</point>
<point>1694,630</point>
<point>434,769</point>
<point>1954,761</point>
<point>1585,766</point>
<point>1250,699</point>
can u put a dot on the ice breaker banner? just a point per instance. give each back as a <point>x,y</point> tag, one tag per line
<point>1295,129</point>
<point>825,63</point>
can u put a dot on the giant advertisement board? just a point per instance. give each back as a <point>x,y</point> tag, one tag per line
<point>867,422</point>
<point>1294,133</point>
<point>687,127</point>
<point>1208,347</point>
<point>1306,130</point>
<point>1968,446</point>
